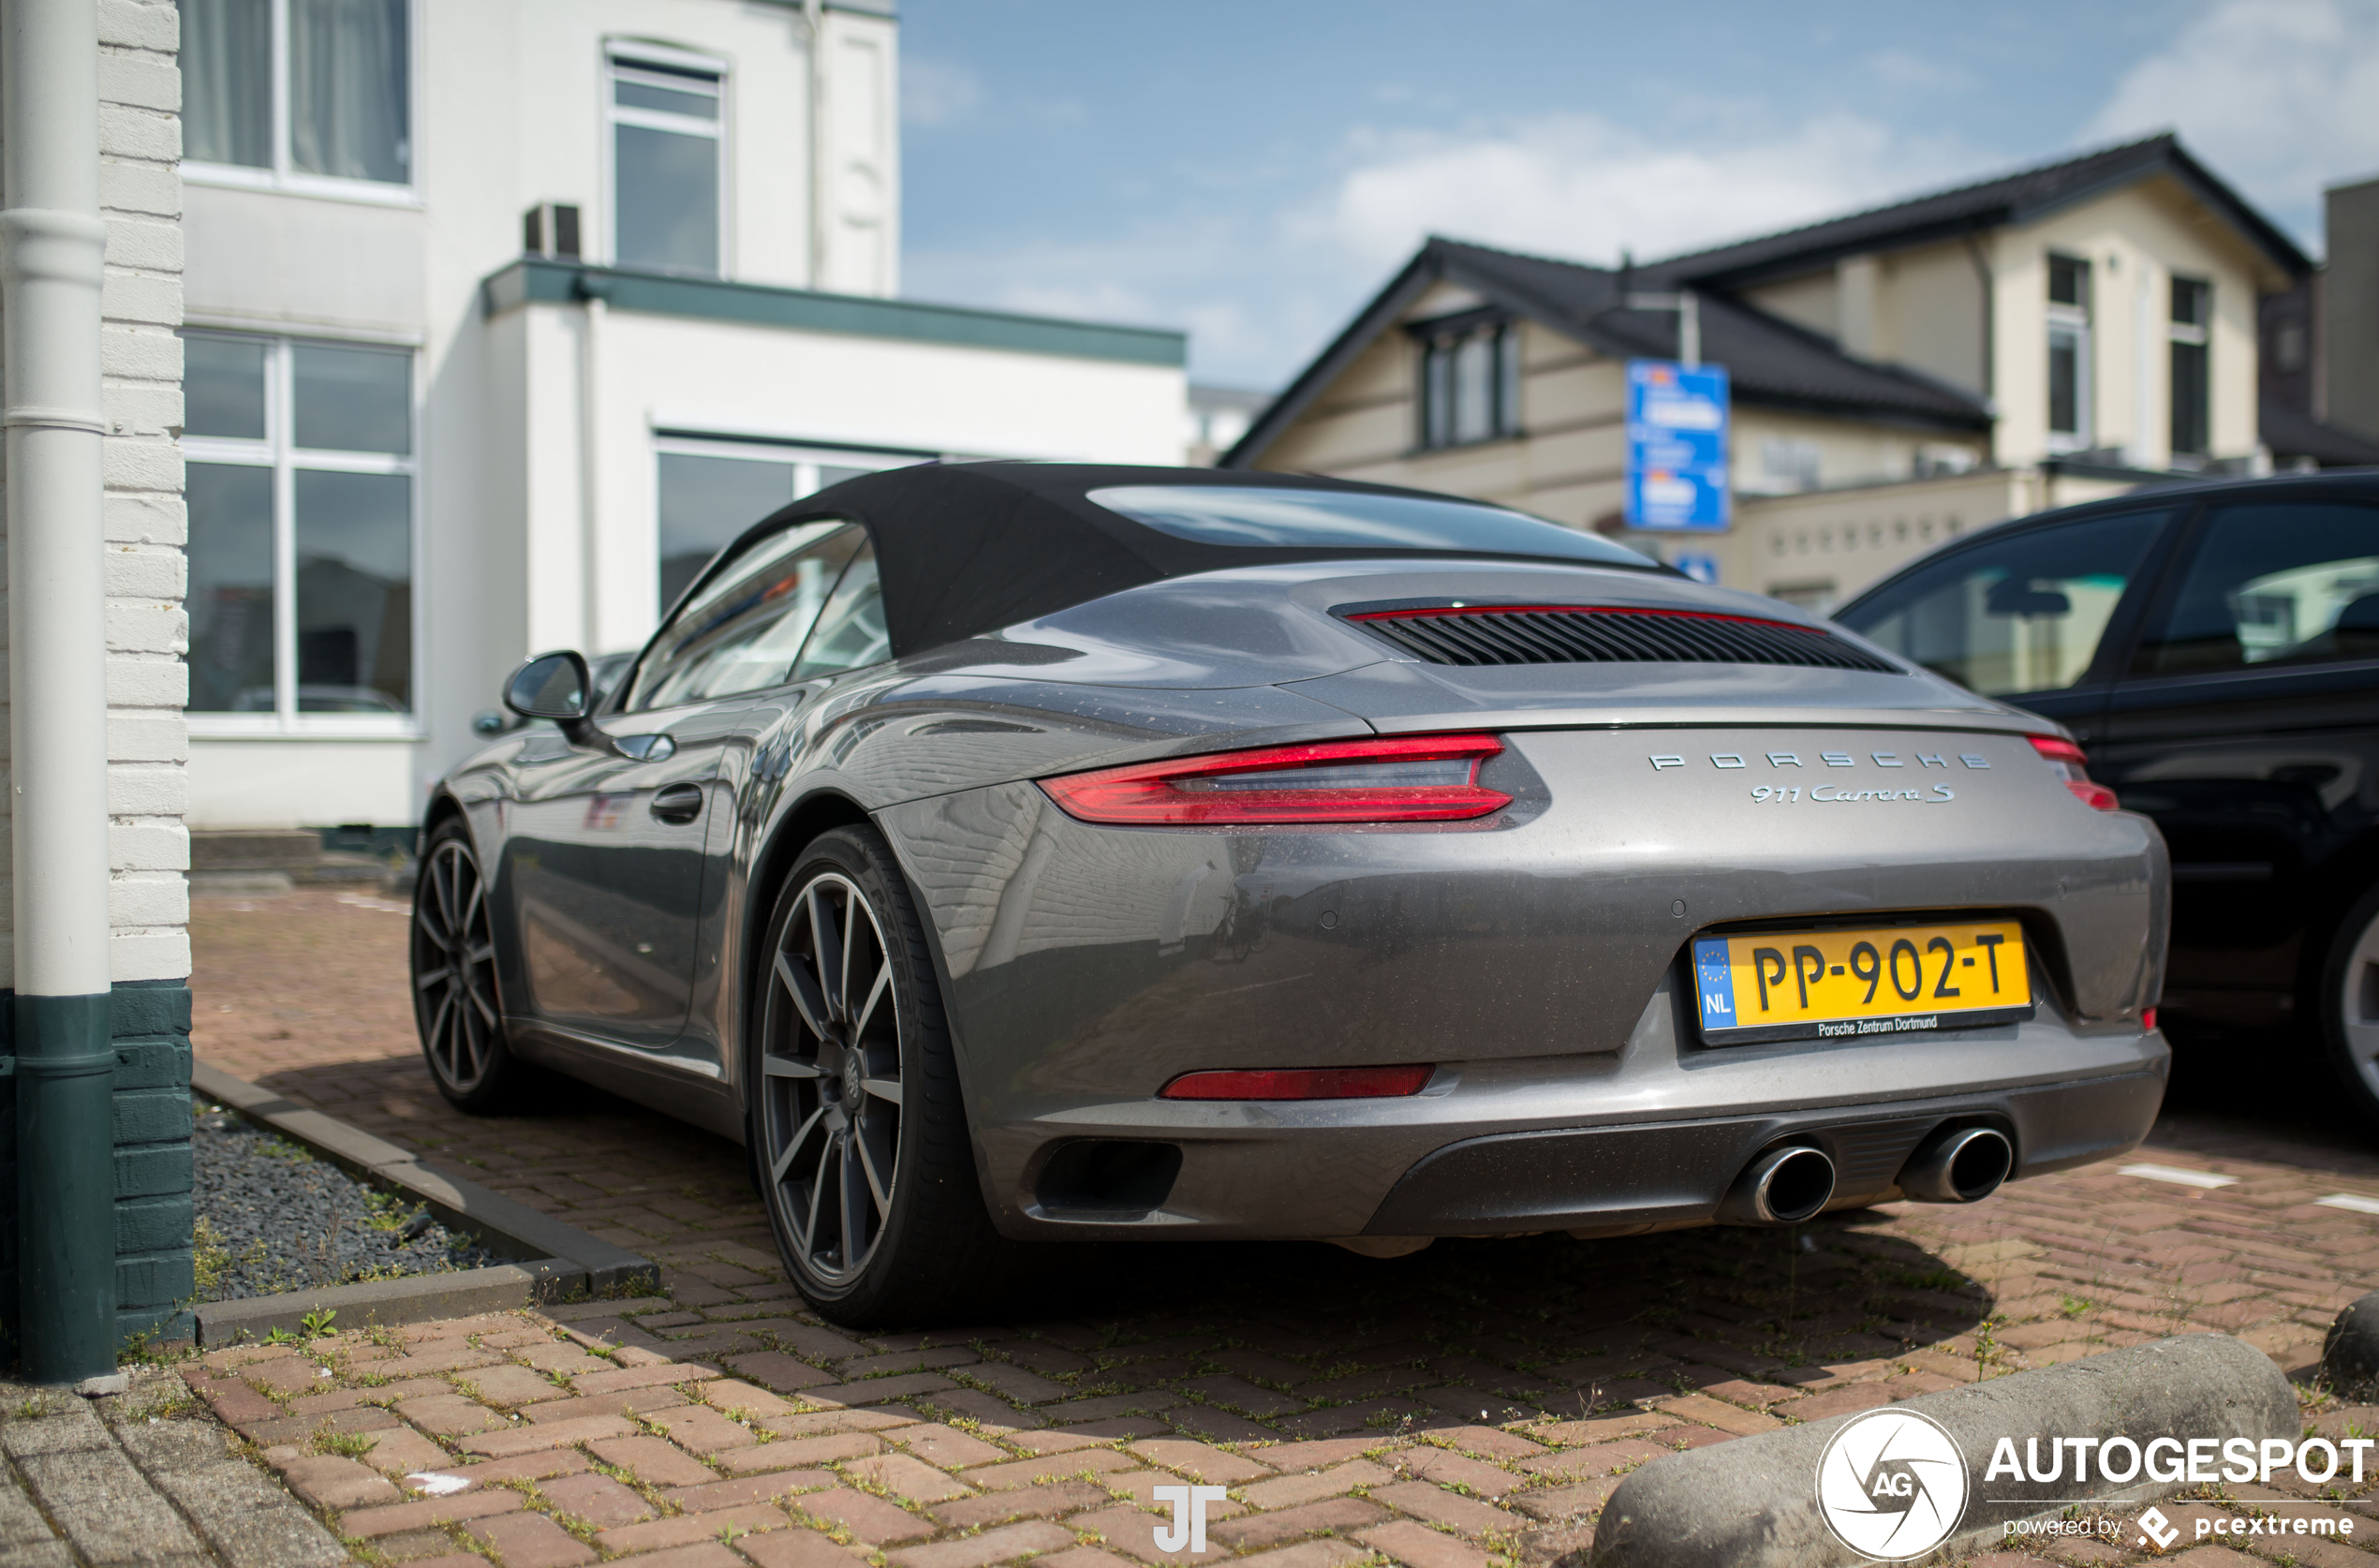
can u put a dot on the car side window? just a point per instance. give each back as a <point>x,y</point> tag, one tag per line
<point>743,628</point>
<point>2279,583</point>
<point>2018,615</point>
<point>850,633</point>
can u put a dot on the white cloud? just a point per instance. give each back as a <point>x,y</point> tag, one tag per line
<point>936,92</point>
<point>2279,96</point>
<point>1579,186</point>
<point>1262,287</point>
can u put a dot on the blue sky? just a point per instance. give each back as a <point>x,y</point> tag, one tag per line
<point>1251,169</point>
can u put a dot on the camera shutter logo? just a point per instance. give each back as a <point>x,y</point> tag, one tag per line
<point>1892,1484</point>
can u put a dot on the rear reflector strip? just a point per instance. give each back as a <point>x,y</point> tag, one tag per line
<point>1300,1083</point>
<point>1382,778</point>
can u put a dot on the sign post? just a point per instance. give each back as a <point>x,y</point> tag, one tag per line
<point>1677,446</point>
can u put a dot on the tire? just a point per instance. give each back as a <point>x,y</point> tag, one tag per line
<point>2350,1005</point>
<point>863,1156</point>
<point>456,1006</point>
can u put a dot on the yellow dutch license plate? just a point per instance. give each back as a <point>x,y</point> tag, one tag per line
<point>1888,980</point>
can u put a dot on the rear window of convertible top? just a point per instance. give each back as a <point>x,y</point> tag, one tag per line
<point>1258,518</point>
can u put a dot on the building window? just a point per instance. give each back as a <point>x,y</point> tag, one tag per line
<point>299,90</point>
<point>712,491</point>
<point>665,138</point>
<point>299,478</point>
<point>1470,382</point>
<point>2192,388</point>
<point>2069,423</point>
<point>1788,464</point>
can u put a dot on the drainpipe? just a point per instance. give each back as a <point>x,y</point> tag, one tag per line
<point>814,13</point>
<point>1991,307</point>
<point>51,246</point>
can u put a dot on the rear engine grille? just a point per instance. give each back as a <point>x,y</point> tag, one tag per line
<point>1579,634</point>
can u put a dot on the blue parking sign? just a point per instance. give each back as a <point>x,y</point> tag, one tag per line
<point>1677,446</point>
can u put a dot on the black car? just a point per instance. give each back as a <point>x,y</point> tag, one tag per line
<point>2216,648</point>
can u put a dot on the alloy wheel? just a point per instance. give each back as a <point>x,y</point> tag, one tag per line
<point>2358,1005</point>
<point>831,1079</point>
<point>454,967</point>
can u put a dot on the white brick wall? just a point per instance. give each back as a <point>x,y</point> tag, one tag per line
<point>147,743</point>
<point>145,523</point>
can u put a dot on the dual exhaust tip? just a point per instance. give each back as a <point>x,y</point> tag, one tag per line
<point>1788,1185</point>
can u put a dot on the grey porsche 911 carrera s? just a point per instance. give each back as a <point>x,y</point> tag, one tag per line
<point>1014,853</point>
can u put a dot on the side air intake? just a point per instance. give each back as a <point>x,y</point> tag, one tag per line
<point>1585,634</point>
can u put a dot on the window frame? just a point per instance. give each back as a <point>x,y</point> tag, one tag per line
<point>2182,335</point>
<point>2186,546</point>
<point>1437,379</point>
<point>624,693</point>
<point>630,53</point>
<point>2072,321</point>
<point>807,458</point>
<point>278,452</point>
<point>284,177</point>
<point>2142,595</point>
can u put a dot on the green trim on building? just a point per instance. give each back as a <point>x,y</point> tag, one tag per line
<point>149,1026</point>
<point>535,281</point>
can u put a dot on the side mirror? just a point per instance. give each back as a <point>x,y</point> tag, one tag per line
<point>553,686</point>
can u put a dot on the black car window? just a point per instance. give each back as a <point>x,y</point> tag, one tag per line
<point>743,629</point>
<point>2275,583</point>
<point>1282,518</point>
<point>2015,614</point>
<point>851,634</point>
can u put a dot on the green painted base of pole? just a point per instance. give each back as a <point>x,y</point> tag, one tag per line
<point>66,1188</point>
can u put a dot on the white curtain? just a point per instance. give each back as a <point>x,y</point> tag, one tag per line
<point>226,81</point>
<point>348,103</point>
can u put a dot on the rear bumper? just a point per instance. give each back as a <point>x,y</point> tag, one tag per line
<point>1619,1180</point>
<point>1537,958</point>
<point>1648,1137</point>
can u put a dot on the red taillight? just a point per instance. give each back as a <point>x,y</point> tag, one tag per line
<point>2065,760</point>
<point>1387,779</point>
<point>1299,1083</point>
<point>2147,1020</point>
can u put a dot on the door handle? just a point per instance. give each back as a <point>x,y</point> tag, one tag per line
<point>678,803</point>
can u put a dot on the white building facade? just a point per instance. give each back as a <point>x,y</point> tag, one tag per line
<point>503,315</point>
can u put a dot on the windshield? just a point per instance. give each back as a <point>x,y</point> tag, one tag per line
<point>1260,518</point>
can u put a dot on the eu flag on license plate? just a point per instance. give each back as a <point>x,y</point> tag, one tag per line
<point>1715,979</point>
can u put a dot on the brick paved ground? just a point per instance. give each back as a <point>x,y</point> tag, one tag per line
<point>1477,1400</point>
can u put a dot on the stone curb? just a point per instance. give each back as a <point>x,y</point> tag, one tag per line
<point>414,1298</point>
<point>551,1259</point>
<point>2350,1350</point>
<point>1754,1501</point>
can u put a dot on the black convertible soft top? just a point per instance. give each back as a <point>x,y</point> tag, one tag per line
<point>966,548</point>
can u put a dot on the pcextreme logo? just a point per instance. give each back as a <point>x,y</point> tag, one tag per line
<point>1892,1484</point>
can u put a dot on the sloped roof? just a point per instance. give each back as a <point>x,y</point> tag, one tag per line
<point>2007,198</point>
<point>2291,433</point>
<point>1771,360</point>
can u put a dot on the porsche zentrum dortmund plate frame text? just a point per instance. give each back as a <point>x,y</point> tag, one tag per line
<point>1860,982</point>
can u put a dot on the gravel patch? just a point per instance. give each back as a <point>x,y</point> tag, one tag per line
<point>273,1217</point>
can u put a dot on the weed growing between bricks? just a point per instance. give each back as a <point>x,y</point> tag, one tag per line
<point>270,1217</point>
